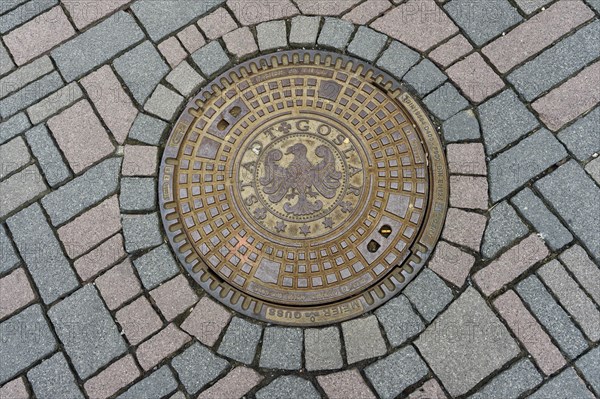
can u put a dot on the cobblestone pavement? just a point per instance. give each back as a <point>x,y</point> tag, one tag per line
<point>94,305</point>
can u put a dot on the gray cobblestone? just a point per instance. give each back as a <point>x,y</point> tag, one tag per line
<point>197,366</point>
<point>504,227</point>
<point>445,102</point>
<point>399,320</point>
<point>589,365</point>
<point>282,349</point>
<point>584,269</point>
<point>26,338</point>
<point>271,35</point>
<point>288,386</point>
<point>565,385</point>
<point>138,194</point>
<point>362,339</point>
<point>14,155</point>
<point>156,267</point>
<point>53,379</point>
<point>185,79</point>
<point>557,63</point>
<point>483,20</point>
<point>54,103</point>
<point>8,257</point>
<point>6,5</point>
<point>141,68</point>
<point>595,4</point>
<point>593,168</point>
<point>211,58</point>
<point>398,59</point>
<point>462,126</point>
<point>503,120</point>
<point>97,45</point>
<point>82,192</point>
<point>552,316</point>
<point>48,156</point>
<point>367,44</point>
<point>141,232</point>
<point>20,189</point>
<point>335,33</point>
<point>24,13</point>
<point>576,198</point>
<point>513,168</point>
<point>87,331</point>
<point>14,126</point>
<point>30,94</point>
<point>529,6</point>
<point>428,294</point>
<point>322,349</point>
<point>25,75</point>
<point>583,137</point>
<point>6,64</point>
<point>552,230</point>
<point>164,103</point>
<point>304,30</point>
<point>393,374</point>
<point>240,340</point>
<point>512,383</point>
<point>155,386</point>
<point>425,77</point>
<point>147,129</point>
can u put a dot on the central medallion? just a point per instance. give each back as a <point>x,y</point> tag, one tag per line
<point>303,188</point>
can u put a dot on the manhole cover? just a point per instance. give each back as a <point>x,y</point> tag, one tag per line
<point>303,188</point>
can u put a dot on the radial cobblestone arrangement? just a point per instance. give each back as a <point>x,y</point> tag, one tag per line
<point>299,199</point>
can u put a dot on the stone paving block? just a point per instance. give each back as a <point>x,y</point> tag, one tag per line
<point>141,232</point>
<point>420,24</point>
<point>572,298</point>
<point>234,385</point>
<point>155,386</point>
<point>7,5</point>
<point>241,42</point>
<point>462,126</point>
<point>393,374</point>
<point>281,349</point>
<point>6,63</point>
<point>325,7</point>
<point>161,17</point>
<point>198,366</point>
<point>571,99</point>
<point>14,389</point>
<point>549,313</point>
<point>527,330</point>
<point>584,270</point>
<point>206,321</point>
<point>425,77</point>
<point>91,228</point>
<point>504,119</point>
<point>445,102</point>
<point>53,379</point>
<point>172,50</point>
<point>464,228</point>
<point>511,264</point>
<point>271,35</point>
<point>217,23</point>
<point>514,167</point>
<point>466,343</point>
<point>595,4</point>
<point>533,209</point>
<point>583,137</point>
<point>13,126</point>
<point>304,30</point>
<point>111,101</point>
<point>85,12</point>
<point>38,35</point>
<point>30,94</point>
<point>365,12</point>
<point>557,63</point>
<point>428,294</point>
<point>80,136</point>
<point>87,331</point>
<point>399,320</point>
<point>451,51</point>
<point>210,58</point>
<point>14,155</point>
<point>322,349</point>
<point>25,75</point>
<point>174,297</point>
<point>512,383</point>
<point>397,59</point>
<point>589,365</point>
<point>335,33</point>
<point>141,68</point>
<point>101,258</point>
<point>362,339</point>
<point>15,292</point>
<point>469,192</point>
<point>593,169</point>
<point>431,389</point>
<point>367,44</point>
<point>288,386</point>
<point>475,77</point>
<point>536,33</point>
<point>137,194</point>
<point>191,38</point>
<point>43,256</point>
<point>20,189</point>
<point>9,259</point>
<point>140,160</point>
<point>576,198</point>
<point>185,79</point>
<point>504,227</point>
<point>257,12</point>
<point>156,267</point>
<point>482,21</point>
<point>116,376</point>
<point>168,341</point>
<point>97,45</point>
<point>240,340</point>
<point>565,385</point>
<point>147,129</point>
<point>529,6</point>
<point>54,103</point>
<point>164,103</point>
<point>451,263</point>
<point>139,320</point>
<point>344,385</point>
<point>26,338</point>
<point>118,285</point>
<point>466,159</point>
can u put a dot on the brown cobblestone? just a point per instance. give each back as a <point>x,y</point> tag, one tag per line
<point>174,297</point>
<point>118,285</point>
<point>234,385</point>
<point>207,321</point>
<point>15,292</point>
<point>139,320</point>
<point>451,51</point>
<point>101,258</point>
<point>344,385</point>
<point>464,228</point>
<point>166,342</point>
<point>475,78</point>
<point>116,376</point>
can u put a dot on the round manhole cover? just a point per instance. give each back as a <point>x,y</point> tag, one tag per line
<point>303,188</point>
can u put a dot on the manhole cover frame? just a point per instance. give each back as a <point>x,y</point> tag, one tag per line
<point>375,295</point>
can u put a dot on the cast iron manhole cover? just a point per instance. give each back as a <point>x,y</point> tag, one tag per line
<point>303,188</point>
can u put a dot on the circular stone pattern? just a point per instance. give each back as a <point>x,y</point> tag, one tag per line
<point>303,188</point>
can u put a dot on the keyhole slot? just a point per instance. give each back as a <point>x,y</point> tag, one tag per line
<point>223,125</point>
<point>235,111</point>
<point>385,230</point>
<point>373,246</point>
